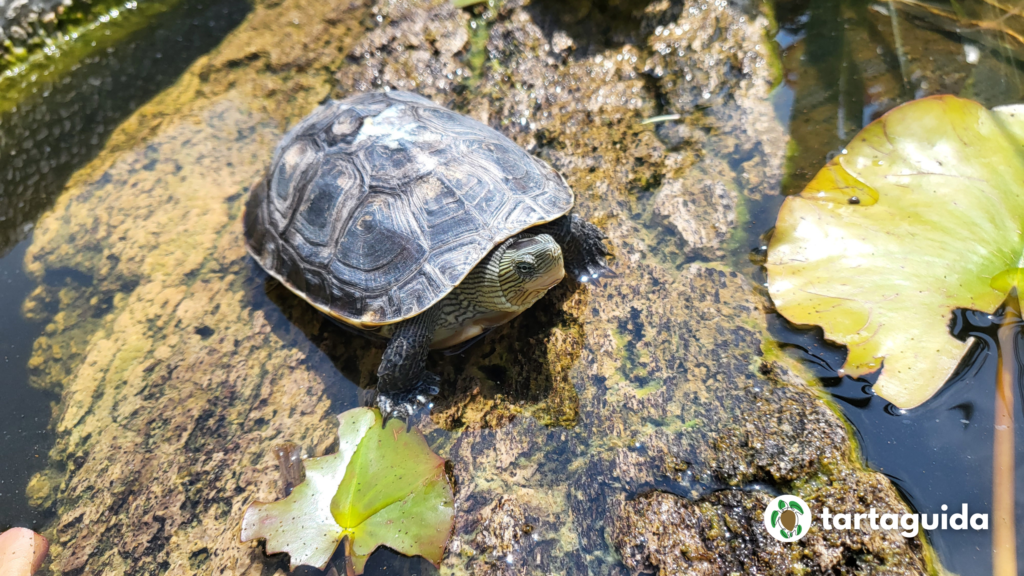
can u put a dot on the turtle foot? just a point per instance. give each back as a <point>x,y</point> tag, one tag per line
<point>590,262</point>
<point>410,404</point>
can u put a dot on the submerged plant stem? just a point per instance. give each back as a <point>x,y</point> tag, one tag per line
<point>1004,539</point>
<point>898,41</point>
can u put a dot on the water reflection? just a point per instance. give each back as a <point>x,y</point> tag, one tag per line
<point>847,62</point>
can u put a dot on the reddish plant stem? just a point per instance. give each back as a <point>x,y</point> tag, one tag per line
<point>350,569</point>
<point>1004,539</point>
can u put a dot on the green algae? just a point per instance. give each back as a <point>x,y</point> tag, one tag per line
<point>477,51</point>
<point>51,33</point>
<point>83,30</point>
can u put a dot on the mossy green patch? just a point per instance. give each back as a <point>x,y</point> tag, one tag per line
<point>82,30</point>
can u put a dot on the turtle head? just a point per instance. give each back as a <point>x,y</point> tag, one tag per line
<point>528,268</point>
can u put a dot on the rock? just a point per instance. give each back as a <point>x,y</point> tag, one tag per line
<point>25,20</point>
<point>713,66</point>
<point>501,526</point>
<point>701,207</point>
<point>664,534</point>
<point>42,488</point>
<point>170,402</point>
<point>723,533</point>
<point>180,365</point>
<point>412,47</point>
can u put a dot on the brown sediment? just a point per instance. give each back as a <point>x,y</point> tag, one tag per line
<point>179,367</point>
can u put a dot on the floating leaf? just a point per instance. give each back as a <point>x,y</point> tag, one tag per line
<point>383,487</point>
<point>782,505</point>
<point>775,517</point>
<point>799,529</point>
<point>796,506</point>
<point>919,216</point>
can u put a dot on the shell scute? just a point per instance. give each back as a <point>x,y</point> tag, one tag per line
<point>295,168</point>
<point>318,208</point>
<point>381,246</point>
<point>343,130</point>
<point>442,212</point>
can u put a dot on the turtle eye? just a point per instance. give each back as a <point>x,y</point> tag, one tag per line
<point>524,268</point>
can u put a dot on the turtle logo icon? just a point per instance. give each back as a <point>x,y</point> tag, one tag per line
<point>787,518</point>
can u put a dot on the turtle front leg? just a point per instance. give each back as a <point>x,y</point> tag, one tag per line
<point>583,249</point>
<point>404,386</point>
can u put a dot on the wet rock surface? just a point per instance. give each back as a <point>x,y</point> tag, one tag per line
<point>723,533</point>
<point>584,436</point>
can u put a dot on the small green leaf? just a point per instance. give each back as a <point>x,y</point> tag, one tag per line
<point>783,533</point>
<point>782,505</point>
<point>796,506</point>
<point>382,488</point>
<point>775,518</point>
<point>798,529</point>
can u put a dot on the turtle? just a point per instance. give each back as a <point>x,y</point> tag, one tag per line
<point>397,216</point>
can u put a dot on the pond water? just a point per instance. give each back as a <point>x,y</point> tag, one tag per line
<point>54,117</point>
<point>25,416</point>
<point>842,71</point>
<point>842,67</point>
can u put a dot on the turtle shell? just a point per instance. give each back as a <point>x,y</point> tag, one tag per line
<point>376,206</point>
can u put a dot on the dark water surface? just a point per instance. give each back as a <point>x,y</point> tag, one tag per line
<point>62,122</point>
<point>25,437</point>
<point>843,69</point>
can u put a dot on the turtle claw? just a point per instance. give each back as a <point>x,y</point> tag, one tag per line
<point>593,274</point>
<point>409,405</point>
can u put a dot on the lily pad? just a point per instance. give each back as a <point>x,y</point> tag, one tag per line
<point>920,215</point>
<point>383,487</point>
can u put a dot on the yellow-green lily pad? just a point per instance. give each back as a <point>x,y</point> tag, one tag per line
<point>922,213</point>
<point>383,487</point>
